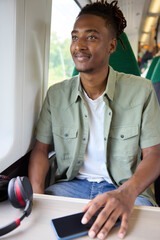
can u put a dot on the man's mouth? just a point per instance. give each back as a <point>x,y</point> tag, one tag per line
<point>82,57</point>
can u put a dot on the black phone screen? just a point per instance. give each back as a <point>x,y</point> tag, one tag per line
<point>71,225</point>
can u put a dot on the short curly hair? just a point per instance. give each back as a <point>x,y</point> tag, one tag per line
<point>110,12</point>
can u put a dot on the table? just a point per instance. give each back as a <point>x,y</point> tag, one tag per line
<point>144,222</point>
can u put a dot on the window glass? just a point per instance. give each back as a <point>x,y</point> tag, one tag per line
<point>64,13</point>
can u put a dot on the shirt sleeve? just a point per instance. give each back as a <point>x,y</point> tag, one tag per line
<point>44,126</point>
<point>150,127</point>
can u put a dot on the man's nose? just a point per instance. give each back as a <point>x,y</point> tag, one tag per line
<point>81,44</point>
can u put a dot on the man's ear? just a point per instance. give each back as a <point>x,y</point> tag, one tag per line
<point>113,45</point>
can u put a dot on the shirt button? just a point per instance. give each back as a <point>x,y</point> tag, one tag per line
<point>109,113</point>
<point>86,116</point>
<point>84,139</point>
<point>66,134</point>
<point>105,139</point>
<point>122,136</point>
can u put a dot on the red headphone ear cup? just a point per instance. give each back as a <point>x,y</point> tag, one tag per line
<point>20,191</point>
<point>14,194</point>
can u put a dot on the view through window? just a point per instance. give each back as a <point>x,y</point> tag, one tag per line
<point>64,13</point>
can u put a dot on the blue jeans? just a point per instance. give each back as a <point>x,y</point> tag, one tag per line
<point>86,190</point>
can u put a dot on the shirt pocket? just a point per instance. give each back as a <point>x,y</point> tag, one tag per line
<point>124,141</point>
<point>65,141</point>
<point>65,133</point>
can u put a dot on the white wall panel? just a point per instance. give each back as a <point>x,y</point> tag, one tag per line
<point>24,47</point>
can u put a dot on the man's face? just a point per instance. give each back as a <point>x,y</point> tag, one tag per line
<point>92,44</point>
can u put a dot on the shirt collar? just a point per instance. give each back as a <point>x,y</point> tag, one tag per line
<point>111,82</point>
<point>110,88</point>
<point>76,88</point>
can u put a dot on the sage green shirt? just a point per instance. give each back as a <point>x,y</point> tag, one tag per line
<point>131,123</point>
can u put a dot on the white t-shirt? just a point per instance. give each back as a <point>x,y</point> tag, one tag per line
<point>94,167</point>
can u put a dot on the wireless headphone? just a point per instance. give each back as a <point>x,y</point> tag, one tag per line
<point>19,191</point>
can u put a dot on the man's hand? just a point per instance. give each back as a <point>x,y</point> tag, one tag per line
<point>117,203</point>
<point>120,202</point>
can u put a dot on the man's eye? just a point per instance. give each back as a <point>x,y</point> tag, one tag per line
<point>92,37</point>
<point>74,38</point>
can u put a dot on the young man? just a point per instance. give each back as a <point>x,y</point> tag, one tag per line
<point>99,123</point>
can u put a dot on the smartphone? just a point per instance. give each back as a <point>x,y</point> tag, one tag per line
<point>70,226</point>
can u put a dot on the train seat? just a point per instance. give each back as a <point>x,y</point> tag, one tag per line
<point>152,67</point>
<point>124,60</point>
<point>156,79</point>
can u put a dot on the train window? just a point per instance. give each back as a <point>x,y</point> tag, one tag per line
<point>61,65</point>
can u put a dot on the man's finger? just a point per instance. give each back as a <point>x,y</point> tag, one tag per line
<point>124,226</point>
<point>91,209</point>
<point>108,224</point>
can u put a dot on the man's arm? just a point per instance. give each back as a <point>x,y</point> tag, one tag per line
<point>120,202</point>
<point>38,166</point>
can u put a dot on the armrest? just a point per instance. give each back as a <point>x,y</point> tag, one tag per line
<point>50,178</point>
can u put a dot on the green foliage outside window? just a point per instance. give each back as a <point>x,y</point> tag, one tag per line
<point>61,64</point>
